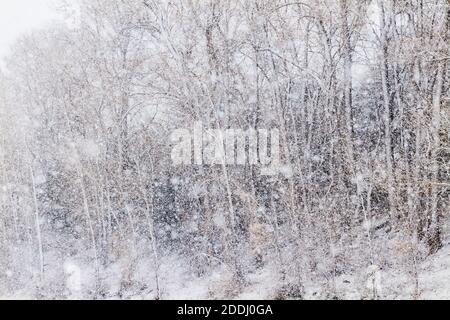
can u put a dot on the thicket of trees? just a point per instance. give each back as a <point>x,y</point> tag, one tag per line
<point>359,91</point>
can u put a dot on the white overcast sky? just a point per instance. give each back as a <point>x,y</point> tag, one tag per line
<point>20,16</point>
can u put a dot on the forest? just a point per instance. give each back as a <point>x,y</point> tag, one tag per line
<point>92,205</point>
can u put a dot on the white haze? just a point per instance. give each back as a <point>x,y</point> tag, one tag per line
<point>18,17</point>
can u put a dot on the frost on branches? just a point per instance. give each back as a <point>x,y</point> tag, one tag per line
<point>350,97</point>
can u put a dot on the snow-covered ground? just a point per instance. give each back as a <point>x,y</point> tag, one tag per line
<point>435,276</point>
<point>434,283</point>
<point>176,283</point>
